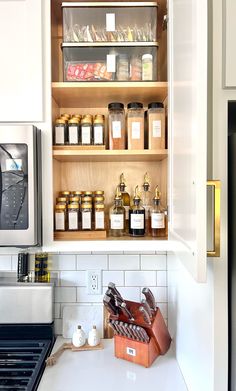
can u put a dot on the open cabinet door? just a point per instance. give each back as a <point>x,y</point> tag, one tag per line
<point>187,40</point>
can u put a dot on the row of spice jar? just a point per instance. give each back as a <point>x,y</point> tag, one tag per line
<point>123,133</point>
<point>78,130</point>
<point>80,210</point>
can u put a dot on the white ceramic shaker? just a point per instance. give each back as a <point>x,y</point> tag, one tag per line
<point>79,337</point>
<point>93,338</point>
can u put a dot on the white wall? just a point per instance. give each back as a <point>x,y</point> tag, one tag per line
<point>130,272</point>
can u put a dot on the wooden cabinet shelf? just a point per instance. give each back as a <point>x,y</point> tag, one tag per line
<point>76,154</point>
<point>100,94</point>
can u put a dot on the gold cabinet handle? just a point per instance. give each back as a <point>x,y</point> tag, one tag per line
<point>217,188</point>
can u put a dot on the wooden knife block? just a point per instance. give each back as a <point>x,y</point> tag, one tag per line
<point>140,352</point>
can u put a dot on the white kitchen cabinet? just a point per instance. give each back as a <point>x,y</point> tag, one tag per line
<point>187,95</point>
<point>229,42</point>
<point>21,67</point>
<point>188,131</point>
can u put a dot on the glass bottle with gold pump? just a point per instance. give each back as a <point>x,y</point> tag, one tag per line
<point>158,217</point>
<point>125,199</point>
<point>117,216</point>
<point>137,216</point>
<point>146,199</point>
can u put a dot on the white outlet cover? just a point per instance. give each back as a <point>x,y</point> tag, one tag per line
<point>94,282</point>
<point>84,315</point>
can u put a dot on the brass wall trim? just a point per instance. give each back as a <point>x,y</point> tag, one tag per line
<point>217,189</point>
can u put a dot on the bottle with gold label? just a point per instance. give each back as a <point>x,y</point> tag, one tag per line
<point>146,199</point>
<point>158,217</point>
<point>117,216</point>
<point>137,216</point>
<point>125,199</point>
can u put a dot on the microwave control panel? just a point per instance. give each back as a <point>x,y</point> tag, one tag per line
<point>14,213</point>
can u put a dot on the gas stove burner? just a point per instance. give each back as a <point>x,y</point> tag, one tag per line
<point>21,363</point>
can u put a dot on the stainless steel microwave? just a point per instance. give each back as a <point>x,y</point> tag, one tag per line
<point>20,186</point>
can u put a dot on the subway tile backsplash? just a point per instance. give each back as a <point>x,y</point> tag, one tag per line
<point>129,271</point>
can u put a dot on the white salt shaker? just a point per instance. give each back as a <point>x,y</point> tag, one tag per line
<point>93,338</point>
<point>79,337</point>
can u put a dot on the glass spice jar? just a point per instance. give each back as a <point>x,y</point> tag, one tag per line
<point>98,193</point>
<point>99,217</point>
<point>73,131</point>
<point>87,199</point>
<point>156,125</point>
<point>60,218</point>
<point>60,132</point>
<point>116,120</point>
<point>86,216</point>
<point>74,200</point>
<point>147,67</point>
<point>73,217</point>
<point>86,130</point>
<point>65,194</point>
<point>99,130</point>
<point>98,200</point>
<point>135,125</point>
<point>123,68</point>
<point>62,201</point>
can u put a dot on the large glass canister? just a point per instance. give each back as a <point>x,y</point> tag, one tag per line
<point>73,131</point>
<point>135,125</point>
<point>156,125</point>
<point>86,130</point>
<point>116,120</point>
<point>41,268</point>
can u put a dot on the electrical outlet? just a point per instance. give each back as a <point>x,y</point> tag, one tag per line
<point>94,283</point>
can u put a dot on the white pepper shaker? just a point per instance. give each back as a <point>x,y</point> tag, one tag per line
<point>79,337</point>
<point>93,338</point>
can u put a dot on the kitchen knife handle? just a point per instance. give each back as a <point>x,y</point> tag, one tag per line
<point>115,291</point>
<point>146,317</point>
<point>150,298</point>
<point>126,312</point>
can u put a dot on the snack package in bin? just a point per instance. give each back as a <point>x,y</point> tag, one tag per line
<point>85,71</point>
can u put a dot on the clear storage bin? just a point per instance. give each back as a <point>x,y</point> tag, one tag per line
<point>111,23</point>
<point>98,64</point>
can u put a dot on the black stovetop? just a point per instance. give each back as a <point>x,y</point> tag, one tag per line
<point>23,351</point>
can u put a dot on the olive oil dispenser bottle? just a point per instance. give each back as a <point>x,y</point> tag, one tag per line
<point>146,200</point>
<point>117,216</point>
<point>125,199</point>
<point>137,216</point>
<point>158,217</point>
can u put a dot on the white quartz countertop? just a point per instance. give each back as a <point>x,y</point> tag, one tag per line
<point>100,370</point>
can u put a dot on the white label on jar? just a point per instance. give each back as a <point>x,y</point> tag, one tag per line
<point>157,220</point>
<point>99,220</point>
<point>59,135</point>
<point>111,62</point>
<point>73,220</point>
<point>126,212</point>
<point>135,130</point>
<point>116,129</point>
<point>85,135</point>
<point>117,221</point>
<point>156,128</point>
<point>137,221</point>
<point>110,22</point>
<point>60,221</point>
<point>86,220</point>
<point>98,134</point>
<point>73,135</point>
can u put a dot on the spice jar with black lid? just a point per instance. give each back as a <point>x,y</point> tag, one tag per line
<point>116,120</point>
<point>156,125</point>
<point>135,125</point>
